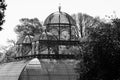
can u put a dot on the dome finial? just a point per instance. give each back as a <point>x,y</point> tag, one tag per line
<point>59,7</point>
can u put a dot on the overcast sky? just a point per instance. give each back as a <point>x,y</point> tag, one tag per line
<point>17,9</point>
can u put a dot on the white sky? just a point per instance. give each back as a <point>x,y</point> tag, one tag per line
<point>18,9</point>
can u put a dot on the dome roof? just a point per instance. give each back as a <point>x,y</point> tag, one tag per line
<point>59,17</point>
<point>38,69</point>
<point>49,70</point>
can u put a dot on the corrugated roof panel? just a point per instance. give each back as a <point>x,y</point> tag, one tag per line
<point>38,70</point>
<point>34,72</point>
<point>12,70</point>
<point>49,70</point>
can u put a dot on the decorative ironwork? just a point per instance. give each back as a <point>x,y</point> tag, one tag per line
<point>60,32</point>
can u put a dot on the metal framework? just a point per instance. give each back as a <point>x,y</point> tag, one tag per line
<point>60,32</point>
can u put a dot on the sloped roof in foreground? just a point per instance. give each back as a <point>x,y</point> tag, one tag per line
<point>49,70</point>
<point>12,70</point>
<point>38,69</point>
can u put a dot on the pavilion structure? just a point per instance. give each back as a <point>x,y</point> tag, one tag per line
<point>60,33</point>
<point>46,56</point>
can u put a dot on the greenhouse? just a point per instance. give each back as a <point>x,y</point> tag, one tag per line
<point>41,57</point>
<point>38,70</point>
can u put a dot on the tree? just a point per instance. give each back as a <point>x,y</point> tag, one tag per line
<point>101,58</point>
<point>100,51</point>
<point>8,52</point>
<point>11,42</point>
<point>29,26</point>
<point>86,25</point>
<point>28,29</point>
<point>2,11</point>
<point>85,21</point>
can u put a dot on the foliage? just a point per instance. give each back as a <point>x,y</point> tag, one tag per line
<point>2,12</point>
<point>29,26</point>
<point>8,52</point>
<point>86,25</point>
<point>101,58</point>
<point>85,21</point>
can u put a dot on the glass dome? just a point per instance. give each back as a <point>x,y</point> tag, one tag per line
<point>59,17</point>
<point>49,70</point>
<point>61,25</point>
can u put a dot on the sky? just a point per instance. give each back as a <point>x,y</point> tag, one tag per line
<point>17,9</point>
